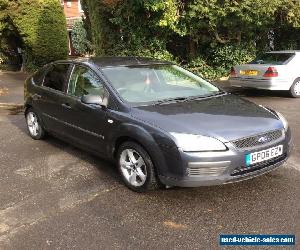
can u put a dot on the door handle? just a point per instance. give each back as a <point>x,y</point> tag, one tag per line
<point>66,105</point>
<point>36,97</point>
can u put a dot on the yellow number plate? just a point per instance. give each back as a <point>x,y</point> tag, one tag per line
<point>249,72</point>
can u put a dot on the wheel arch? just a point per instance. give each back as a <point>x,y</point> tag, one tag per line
<point>142,137</point>
<point>27,106</point>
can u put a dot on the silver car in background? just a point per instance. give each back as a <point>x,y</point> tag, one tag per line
<point>276,70</point>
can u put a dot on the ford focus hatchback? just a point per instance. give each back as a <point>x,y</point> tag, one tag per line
<point>160,123</point>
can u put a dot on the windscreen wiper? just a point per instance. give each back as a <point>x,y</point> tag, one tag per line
<point>220,93</point>
<point>184,99</point>
<point>170,100</point>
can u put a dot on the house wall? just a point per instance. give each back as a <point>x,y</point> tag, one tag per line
<point>72,8</point>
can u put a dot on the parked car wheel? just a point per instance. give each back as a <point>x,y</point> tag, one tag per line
<point>295,88</point>
<point>136,168</point>
<point>35,128</point>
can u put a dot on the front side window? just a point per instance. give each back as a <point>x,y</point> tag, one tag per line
<point>56,77</point>
<point>83,81</point>
<point>140,85</point>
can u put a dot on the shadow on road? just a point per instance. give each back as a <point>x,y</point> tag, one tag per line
<point>259,93</point>
<point>106,166</point>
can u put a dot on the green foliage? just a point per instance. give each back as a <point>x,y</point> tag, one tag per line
<point>199,66</point>
<point>132,27</point>
<point>220,59</point>
<point>3,15</point>
<point>79,38</point>
<point>40,26</point>
<point>226,56</point>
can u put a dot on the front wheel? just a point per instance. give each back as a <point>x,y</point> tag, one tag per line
<point>136,168</point>
<point>295,88</point>
<point>35,129</point>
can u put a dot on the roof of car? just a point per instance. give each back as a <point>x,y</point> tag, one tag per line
<point>285,51</point>
<point>121,61</point>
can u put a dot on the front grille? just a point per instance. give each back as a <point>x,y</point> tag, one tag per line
<point>258,166</point>
<point>257,140</point>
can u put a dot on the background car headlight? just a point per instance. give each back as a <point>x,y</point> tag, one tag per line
<point>283,120</point>
<point>196,143</point>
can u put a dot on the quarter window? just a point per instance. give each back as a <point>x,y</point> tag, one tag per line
<point>56,77</point>
<point>83,81</point>
<point>38,77</point>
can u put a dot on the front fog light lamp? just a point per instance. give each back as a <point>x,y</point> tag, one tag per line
<point>197,143</point>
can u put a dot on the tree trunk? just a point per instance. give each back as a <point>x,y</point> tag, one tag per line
<point>192,48</point>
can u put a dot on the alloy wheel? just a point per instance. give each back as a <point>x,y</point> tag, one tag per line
<point>133,167</point>
<point>33,124</point>
<point>297,88</point>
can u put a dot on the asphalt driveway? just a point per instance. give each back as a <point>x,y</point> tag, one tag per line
<point>54,196</point>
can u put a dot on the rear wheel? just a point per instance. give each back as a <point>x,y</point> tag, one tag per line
<point>295,88</point>
<point>136,168</point>
<point>35,129</point>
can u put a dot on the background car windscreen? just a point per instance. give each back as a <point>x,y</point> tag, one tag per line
<point>273,58</point>
<point>144,84</point>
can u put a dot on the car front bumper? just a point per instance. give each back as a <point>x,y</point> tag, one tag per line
<point>216,168</point>
<point>268,84</point>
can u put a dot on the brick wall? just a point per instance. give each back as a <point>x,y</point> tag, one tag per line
<point>72,8</point>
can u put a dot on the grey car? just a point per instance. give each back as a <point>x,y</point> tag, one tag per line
<point>276,70</point>
<point>160,124</point>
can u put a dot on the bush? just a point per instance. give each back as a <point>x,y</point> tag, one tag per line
<point>220,59</point>
<point>42,27</point>
<point>200,67</point>
<point>130,27</point>
<point>226,56</point>
<point>79,38</point>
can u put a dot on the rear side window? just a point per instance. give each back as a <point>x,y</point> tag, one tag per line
<point>56,76</point>
<point>273,58</point>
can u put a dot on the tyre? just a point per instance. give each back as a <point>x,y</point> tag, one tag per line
<point>295,88</point>
<point>35,128</point>
<point>136,168</point>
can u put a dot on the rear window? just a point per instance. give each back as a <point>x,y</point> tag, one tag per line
<point>273,58</point>
<point>56,77</point>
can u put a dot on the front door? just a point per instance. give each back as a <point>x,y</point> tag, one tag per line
<point>86,123</point>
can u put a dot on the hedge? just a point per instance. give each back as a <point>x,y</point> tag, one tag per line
<point>41,25</point>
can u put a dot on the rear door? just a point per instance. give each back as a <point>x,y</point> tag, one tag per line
<point>86,123</point>
<point>50,97</point>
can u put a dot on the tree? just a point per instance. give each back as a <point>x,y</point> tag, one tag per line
<point>40,26</point>
<point>215,34</point>
<point>131,27</point>
<point>79,38</point>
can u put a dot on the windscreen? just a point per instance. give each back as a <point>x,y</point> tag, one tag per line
<point>152,83</point>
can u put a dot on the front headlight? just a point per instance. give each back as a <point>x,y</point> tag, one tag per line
<point>283,120</point>
<point>196,143</point>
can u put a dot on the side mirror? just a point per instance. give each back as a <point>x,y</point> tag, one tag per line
<point>95,100</point>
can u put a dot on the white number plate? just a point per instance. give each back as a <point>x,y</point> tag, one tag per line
<point>263,155</point>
